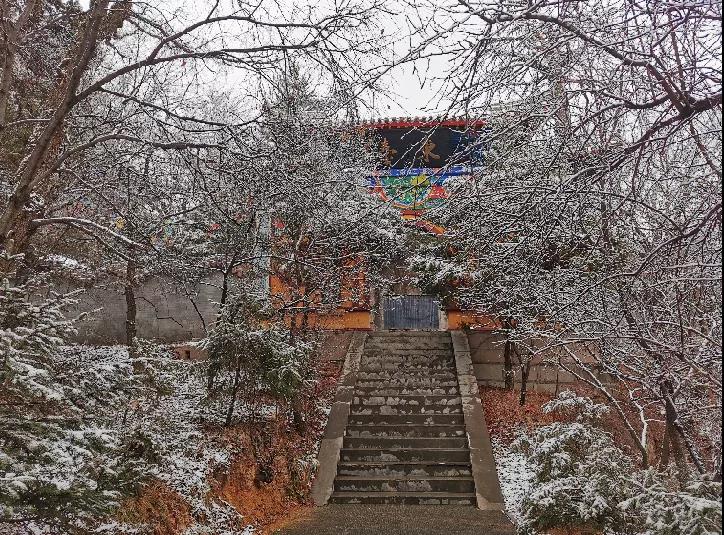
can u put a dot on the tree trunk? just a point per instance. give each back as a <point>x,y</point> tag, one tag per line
<point>12,33</point>
<point>508,365</point>
<point>298,421</point>
<point>678,432</point>
<point>682,470</point>
<point>8,68</point>
<point>45,142</point>
<point>665,450</point>
<point>508,352</point>
<point>305,321</point>
<point>234,393</point>
<point>214,364</point>
<point>293,327</point>
<point>524,372</point>
<point>224,291</point>
<point>131,307</point>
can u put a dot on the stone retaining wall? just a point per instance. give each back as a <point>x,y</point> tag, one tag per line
<point>164,313</point>
<point>486,350</point>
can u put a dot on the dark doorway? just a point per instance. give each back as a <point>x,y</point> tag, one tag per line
<point>410,312</point>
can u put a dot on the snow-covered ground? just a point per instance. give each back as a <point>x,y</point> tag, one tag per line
<point>165,413</point>
<point>515,476</point>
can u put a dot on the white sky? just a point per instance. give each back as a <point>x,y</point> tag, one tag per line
<point>411,88</point>
<point>405,93</point>
<point>408,95</point>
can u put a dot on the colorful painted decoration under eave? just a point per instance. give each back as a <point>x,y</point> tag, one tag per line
<point>416,189</point>
<point>418,158</point>
<point>419,190</point>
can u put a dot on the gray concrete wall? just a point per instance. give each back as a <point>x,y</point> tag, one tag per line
<point>164,313</point>
<point>486,351</point>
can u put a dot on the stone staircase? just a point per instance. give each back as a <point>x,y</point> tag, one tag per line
<point>405,441</point>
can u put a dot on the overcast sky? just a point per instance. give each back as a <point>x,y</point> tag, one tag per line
<point>408,95</point>
<point>405,93</point>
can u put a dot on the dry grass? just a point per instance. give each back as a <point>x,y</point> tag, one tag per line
<point>158,506</point>
<point>274,444</point>
<point>504,414</point>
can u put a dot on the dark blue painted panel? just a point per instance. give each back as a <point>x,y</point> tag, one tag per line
<point>410,312</point>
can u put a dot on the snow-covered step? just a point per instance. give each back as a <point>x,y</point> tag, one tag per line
<point>400,469</point>
<point>401,382</point>
<point>390,390</point>
<point>427,409</point>
<point>423,483</point>
<point>405,430</point>
<point>408,399</point>
<point>408,375</point>
<point>405,442</point>
<point>399,419</point>
<point>395,455</point>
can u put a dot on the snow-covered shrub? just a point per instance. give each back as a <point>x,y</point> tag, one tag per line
<point>158,411</point>
<point>57,466</point>
<point>576,408</point>
<point>249,354</point>
<point>153,365</point>
<point>663,509</point>
<point>30,330</point>
<point>515,475</point>
<point>579,473</point>
<point>579,478</point>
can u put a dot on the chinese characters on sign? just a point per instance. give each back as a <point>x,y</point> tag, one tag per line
<point>415,162</point>
<point>440,147</point>
<point>427,153</point>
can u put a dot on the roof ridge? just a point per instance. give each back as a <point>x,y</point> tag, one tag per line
<point>425,120</point>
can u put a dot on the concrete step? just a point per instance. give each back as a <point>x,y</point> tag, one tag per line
<point>401,383</point>
<point>399,469</point>
<point>452,455</point>
<point>404,484</point>
<point>396,368</point>
<point>404,498</point>
<point>408,362</point>
<point>400,419</point>
<point>401,340</point>
<point>378,345</point>
<point>429,352</point>
<point>408,375</point>
<point>405,430</point>
<point>409,356</point>
<point>430,409</point>
<point>405,399</point>
<point>388,410</point>
<point>405,442</point>
<point>382,333</point>
<point>366,391</point>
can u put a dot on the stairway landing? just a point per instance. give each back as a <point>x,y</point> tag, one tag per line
<point>380,519</point>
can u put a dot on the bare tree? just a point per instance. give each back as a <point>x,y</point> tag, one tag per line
<point>119,53</point>
<point>601,198</point>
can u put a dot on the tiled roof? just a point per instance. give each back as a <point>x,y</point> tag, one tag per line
<point>402,122</point>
